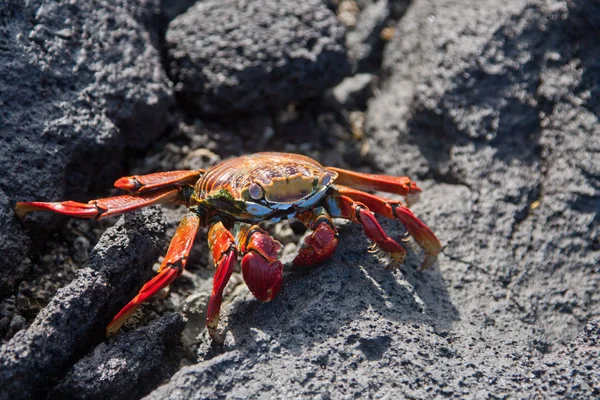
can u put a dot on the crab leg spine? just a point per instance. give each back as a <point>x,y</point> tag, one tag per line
<point>345,207</point>
<point>171,268</point>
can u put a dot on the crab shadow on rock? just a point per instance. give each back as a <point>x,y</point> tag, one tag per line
<point>323,301</point>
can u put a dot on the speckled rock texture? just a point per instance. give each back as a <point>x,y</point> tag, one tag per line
<point>79,82</point>
<point>254,56</point>
<point>492,107</point>
<point>74,321</point>
<point>128,366</point>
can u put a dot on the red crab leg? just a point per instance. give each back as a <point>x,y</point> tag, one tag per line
<point>171,267</point>
<point>396,210</point>
<point>263,272</point>
<point>103,208</point>
<point>145,183</point>
<point>323,240</point>
<point>222,247</point>
<point>345,207</point>
<point>401,185</point>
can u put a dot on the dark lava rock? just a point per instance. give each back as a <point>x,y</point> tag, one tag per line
<point>128,366</point>
<point>354,92</point>
<point>77,315</point>
<point>339,330</point>
<point>492,107</point>
<point>364,42</point>
<point>13,247</point>
<point>79,82</point>
<point>239,56</point>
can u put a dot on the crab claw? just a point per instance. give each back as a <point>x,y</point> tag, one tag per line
<point>263,272</point>
<point>262,277</point>
<point>317,247</point>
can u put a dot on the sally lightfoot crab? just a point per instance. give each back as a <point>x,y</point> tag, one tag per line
<point>232,197</point>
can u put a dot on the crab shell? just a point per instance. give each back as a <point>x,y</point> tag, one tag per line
<point>264,185</point>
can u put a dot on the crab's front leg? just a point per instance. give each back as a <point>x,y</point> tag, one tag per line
<point>171,267</point>
<point>401,185</point>
<point>106,207</point>
<point>145,190</point>
<point>322,241</point>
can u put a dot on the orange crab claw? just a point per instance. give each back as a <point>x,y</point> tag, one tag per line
<point>317,247</point>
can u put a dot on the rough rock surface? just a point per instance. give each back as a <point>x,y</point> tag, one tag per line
<point>364,42</point>
<point>493,108</point>
<point>76,317</point>
<point>79,82</point>
<point>128,366</point>
<point>238,56</point>
<point>498,121</point>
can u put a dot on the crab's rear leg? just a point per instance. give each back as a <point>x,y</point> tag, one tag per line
<point>171,267</point>
<point>401,185</point>
<point>396,210</point>
<point>322,241</point>
<point>341,206</point>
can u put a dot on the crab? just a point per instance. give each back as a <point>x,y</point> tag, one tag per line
<point>234,196</point>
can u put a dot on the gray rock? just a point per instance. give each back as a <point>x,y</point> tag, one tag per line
<point>13,247</point>
<point>354,92</point>
<point>78,83</point>
<point>492,107</point>
<point>364,42</point>
<point>128,366</point>
<point>237,56</point>
<point>503,113</point>
<point>76,317</point>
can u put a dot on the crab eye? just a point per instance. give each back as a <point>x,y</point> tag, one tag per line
<point>256,192</point>
<point>326,178</point>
